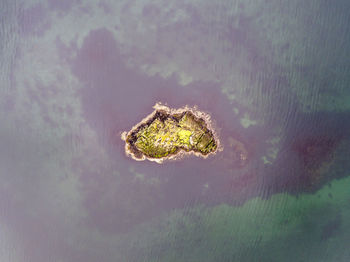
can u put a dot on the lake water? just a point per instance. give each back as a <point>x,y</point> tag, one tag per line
<point>274,77</point>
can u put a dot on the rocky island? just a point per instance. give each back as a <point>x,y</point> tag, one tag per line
<point>170,133</point>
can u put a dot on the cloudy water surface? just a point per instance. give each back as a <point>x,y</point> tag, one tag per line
<point>274,75</point>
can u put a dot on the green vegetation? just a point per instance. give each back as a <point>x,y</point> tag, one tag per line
<point>165,135</point>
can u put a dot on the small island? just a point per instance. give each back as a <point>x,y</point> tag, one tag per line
<point>170,133</point>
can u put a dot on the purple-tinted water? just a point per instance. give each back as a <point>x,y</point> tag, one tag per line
<point>76,74</point>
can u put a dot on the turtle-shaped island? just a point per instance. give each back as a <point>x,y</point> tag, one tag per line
<point>171,133</point>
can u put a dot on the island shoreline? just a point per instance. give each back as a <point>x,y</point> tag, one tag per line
<point>162,110</point>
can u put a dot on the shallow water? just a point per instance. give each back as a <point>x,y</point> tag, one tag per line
<point>274,77</point>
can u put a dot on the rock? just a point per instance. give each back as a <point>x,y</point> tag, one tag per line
<point>169,133</point>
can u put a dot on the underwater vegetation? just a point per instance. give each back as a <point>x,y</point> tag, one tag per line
<point>309,227</point>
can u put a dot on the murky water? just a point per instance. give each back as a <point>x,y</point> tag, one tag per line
<point>273,75</point>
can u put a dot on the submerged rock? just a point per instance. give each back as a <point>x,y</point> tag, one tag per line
<point>169,133</point>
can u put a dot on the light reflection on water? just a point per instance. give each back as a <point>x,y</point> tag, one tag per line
<point>78,74</point>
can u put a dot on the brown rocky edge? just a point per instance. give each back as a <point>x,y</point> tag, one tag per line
<point>162,113</point>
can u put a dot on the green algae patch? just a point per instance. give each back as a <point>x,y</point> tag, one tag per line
<point>295,228</point>
<point>170,133</point>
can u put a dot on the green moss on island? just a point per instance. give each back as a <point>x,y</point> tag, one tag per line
<point>166,133</point>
